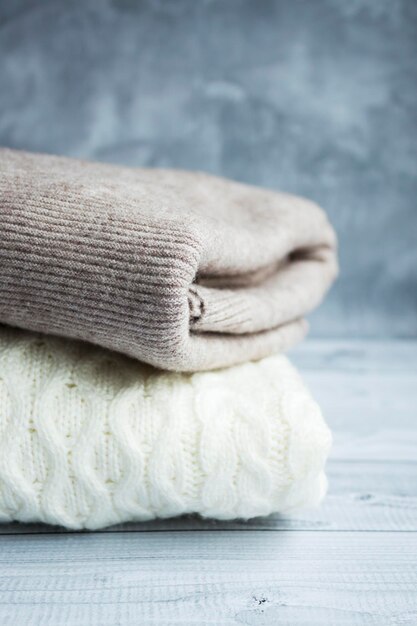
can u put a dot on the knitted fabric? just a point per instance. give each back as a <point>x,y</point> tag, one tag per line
<point>182,270</point>
<point>90,438</point>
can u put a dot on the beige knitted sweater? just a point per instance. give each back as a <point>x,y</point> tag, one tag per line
<point>182,270</point>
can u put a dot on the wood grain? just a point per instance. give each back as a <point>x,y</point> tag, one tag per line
<point>216,577</point>
<point>352,561</point>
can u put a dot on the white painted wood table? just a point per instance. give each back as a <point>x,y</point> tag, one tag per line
<point>353,561</point>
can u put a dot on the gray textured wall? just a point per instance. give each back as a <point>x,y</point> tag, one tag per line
<point>317,97</point>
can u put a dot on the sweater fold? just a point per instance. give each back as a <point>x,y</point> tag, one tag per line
<point>183,270</point>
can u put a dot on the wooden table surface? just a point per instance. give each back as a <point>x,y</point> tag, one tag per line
<point>352,561</point>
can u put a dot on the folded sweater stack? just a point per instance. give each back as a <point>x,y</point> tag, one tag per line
<point>169,269</point>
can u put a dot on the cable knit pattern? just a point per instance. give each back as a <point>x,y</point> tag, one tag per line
<point>90,438</point>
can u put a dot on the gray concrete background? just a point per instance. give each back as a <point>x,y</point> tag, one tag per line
<point>317,97</point>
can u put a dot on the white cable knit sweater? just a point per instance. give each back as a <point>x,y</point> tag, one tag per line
<point>90,438</point>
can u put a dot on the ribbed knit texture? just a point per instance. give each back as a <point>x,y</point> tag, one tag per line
<point>182,270</point>
<point>90,438</point>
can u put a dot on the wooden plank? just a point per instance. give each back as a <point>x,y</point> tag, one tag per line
<point>368,394</point>
<point>212,578</point>
<point>372,416</point>
<point>362,496</point>
<point>366,355</point>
